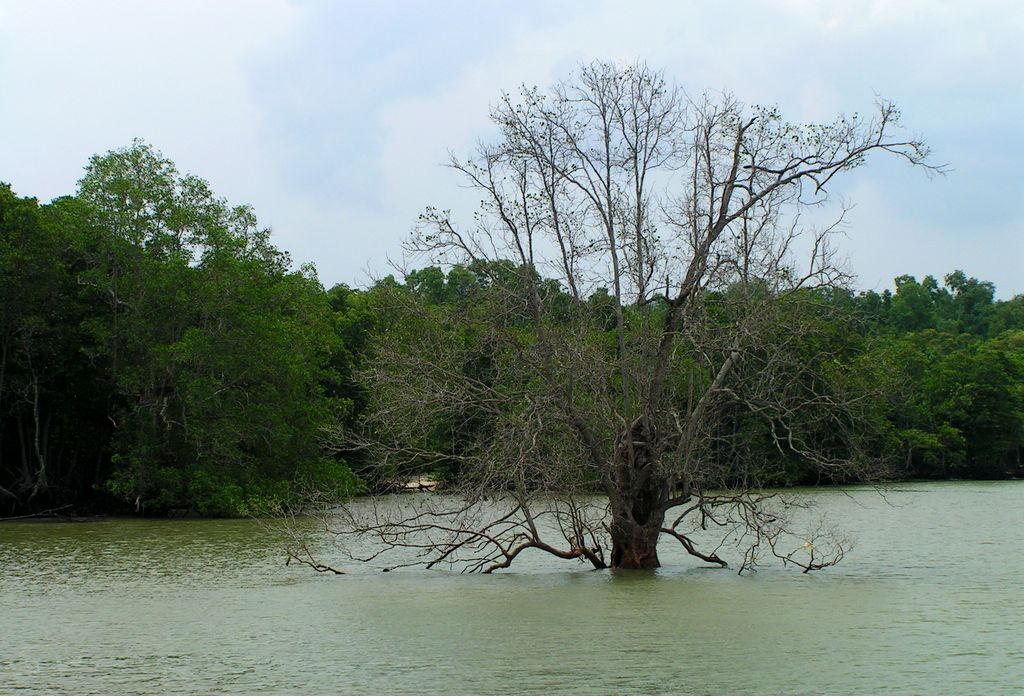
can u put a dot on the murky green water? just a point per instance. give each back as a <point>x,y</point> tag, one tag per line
<point>931,601</point>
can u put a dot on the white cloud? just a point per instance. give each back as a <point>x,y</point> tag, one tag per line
<point>332,119</point>
<point>80,78</point>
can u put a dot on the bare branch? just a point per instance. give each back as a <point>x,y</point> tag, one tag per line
<point>638,333</point>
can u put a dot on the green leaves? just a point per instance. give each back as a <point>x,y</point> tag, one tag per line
<point>955,402</point>
<point>166,353</point>
<point>223,350</point>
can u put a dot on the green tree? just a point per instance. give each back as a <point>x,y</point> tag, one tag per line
<point>953,402</point>
<point>217,352</point>
<point>53,428</point>
<point>971,303</point>
<point>913,304</point>
<point>30,267</point>
<point>1007,316</point>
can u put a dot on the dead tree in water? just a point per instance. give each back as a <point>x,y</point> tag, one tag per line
<point>644,281</point>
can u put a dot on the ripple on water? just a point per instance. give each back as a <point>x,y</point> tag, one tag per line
<point>928,602</point>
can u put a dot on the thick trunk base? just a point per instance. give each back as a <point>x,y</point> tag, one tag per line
<point>634,547</point>
<point>636,496</point>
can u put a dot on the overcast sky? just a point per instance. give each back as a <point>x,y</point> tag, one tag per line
<point>331,118</point>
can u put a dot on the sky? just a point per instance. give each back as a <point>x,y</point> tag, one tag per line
<point>332,119</point>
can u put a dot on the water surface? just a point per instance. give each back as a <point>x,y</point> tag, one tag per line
<point>931,601</point>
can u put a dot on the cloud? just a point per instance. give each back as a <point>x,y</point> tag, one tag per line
<point>83,77</point>
<point>333,118</point>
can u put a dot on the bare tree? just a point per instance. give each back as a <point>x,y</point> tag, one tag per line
<point>688,211</point>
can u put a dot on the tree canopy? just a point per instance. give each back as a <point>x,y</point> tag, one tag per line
<point>158,351</point>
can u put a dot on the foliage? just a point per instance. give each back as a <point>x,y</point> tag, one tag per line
<point>158,354</point>
<point>208,361</point>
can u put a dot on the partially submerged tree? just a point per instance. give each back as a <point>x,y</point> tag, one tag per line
<point>644,284</point>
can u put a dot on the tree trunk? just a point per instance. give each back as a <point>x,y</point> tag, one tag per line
<point>42,483</point>
<point>637,500</point>
<point>634,546</point>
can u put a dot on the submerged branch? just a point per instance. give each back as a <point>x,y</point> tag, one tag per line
<point>690,549</point>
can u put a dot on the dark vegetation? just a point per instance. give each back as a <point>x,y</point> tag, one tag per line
<point>940,366</point>
<point>158,355</point>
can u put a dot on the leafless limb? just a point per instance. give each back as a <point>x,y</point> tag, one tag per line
<point>688,210</point>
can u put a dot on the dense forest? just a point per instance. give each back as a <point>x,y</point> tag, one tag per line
<point>158,355</point>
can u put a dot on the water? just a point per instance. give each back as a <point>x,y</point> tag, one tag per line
<point>930,601</point>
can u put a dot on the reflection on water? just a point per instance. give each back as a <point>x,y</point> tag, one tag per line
<point>929,601</point>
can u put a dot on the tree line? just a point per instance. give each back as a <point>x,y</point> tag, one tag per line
<point>158,355</point>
